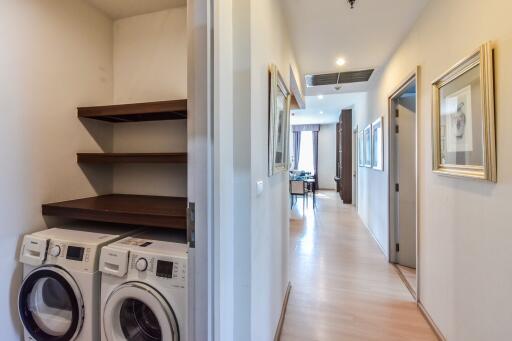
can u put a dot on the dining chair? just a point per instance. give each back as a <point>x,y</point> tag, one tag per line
<point>298,188</point>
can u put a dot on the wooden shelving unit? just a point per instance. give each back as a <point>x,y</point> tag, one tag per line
<point>111,158</point>
<point>137,112</point>
<point>157,211</point>
<point>142,210</point>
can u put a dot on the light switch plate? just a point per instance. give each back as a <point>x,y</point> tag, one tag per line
<point>259,188</point>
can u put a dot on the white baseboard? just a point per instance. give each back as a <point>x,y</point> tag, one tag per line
<point>374,237</point>
<point>431,322</point>
<point>279,329</point>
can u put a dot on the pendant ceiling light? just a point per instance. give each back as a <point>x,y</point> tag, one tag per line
<point>351,3</point>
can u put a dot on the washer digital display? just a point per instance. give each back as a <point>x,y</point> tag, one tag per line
<point>75,253</point>
<point>164,269</point>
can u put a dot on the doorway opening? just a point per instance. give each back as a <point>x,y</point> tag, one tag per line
<point>403,182</point>
<point>321,150</point>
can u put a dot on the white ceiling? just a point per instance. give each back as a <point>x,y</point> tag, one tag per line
<point>324,30</point>
<point>327,109</point>
<point>117,9</point>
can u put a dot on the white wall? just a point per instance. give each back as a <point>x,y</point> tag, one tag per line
<point>465,235</point>
<point>270,43</point>
<point>372,196</point>
<point>150,64</point>
<point>242,191</point>
<point>260,223</point>
<point>56,55</point>
<point>224,174</point>
<point>150,57</point>
<point>327,156</point>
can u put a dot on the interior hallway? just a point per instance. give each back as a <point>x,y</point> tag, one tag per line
<point>342,286</point>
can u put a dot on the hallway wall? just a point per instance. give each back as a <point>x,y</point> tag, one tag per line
<point>270,43</point>
<point>257,259</point>
<point>465,246</point>
<point>372,186</point>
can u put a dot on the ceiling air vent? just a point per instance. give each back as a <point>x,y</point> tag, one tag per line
<point>339,78</point>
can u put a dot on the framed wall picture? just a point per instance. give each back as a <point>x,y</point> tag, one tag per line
<point>377,145</point>
<point>279,123</point>
<point>360,148</point>
<point>464,132</point>
<point>368,146</point>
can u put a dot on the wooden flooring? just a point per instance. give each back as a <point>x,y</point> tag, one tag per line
<point>343,287</point>
<point>409,275</point>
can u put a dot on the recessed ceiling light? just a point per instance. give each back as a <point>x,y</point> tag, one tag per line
<point>340,61</point>
<point>321,112</point>
<point>320,97</point>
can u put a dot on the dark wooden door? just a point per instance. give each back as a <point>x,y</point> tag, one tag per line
<point>338,158</point>
<point>344,155</point>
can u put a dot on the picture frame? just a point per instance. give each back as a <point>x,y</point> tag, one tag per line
<point>279,123</point>
<point>378,144</point>
<point>463,119</point>
<point>360,148</point>
<point>368,146</point>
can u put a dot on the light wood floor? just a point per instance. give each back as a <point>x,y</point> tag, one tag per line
<point>409,275</point>
<point>343,287</point>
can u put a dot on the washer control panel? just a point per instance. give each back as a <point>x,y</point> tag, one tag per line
<point>73,256</point>
<point>170,271</point>
<point>141,264</point>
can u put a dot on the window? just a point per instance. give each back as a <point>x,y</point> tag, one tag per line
<point>292,151</point>
<point>306,152</point>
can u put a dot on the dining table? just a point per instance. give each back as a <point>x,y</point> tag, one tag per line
<point>309,182</point>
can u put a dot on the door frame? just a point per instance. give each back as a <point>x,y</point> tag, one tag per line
<point>412,77</point>
<point>200,169</point>
<point>355,166</point>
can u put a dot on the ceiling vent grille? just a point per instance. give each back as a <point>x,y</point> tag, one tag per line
<point>339,78</point>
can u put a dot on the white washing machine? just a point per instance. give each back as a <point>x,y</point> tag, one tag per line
<point>143,288</point>
<point>59,298</point>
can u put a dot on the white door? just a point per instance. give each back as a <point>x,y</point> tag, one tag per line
<point>406,178</point>
<point>136,311</point>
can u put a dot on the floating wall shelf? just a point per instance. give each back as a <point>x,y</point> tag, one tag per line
<point>165,212</point>
<point>136,112</point>
<point>110,158</point>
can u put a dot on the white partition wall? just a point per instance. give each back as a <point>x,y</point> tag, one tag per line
<point>200,169</point>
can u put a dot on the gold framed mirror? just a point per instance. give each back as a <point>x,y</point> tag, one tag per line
<point>279,123</point>
<point>463,120</point>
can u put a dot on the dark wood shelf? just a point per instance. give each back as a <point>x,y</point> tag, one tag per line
<point>136,112</point>
<point>110,158</point>
<point>157,211</point>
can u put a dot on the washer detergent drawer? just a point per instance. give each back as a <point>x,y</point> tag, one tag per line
<point>33,250</point>
<point>114,261</point>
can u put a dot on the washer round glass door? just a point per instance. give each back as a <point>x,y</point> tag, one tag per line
<point>136,312</point>
<point>51,305</point>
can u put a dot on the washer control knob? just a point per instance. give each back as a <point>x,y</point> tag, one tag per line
<point>141,264</point>
<point>55,251</point>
